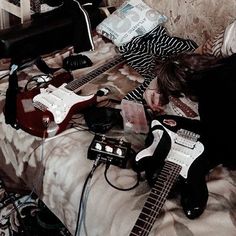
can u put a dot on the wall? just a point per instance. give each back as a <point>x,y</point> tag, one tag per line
<point>194,19</point>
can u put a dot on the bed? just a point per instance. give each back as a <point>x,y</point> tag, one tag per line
<point>56,168</point>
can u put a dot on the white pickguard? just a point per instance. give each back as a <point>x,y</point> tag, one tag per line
<point>183,151</point>
<point>58,101</point>
<point>149,151</point>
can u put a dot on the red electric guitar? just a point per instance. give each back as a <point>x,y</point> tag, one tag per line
<point>45,112</point>
<point>174,147</point>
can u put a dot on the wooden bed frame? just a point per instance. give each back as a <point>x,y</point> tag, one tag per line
<point>22,11</point>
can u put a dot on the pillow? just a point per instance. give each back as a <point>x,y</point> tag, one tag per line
<point>132,18</point>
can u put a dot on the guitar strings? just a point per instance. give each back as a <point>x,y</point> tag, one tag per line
<point>175,171</point>
<point>153,216</point>
<point>75,84</point>
<point>166,188</point>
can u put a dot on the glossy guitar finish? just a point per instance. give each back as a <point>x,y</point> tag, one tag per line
<point>184,147</point>
<point>40,122</point>
<point>45,112</point>
<point>177,147</point>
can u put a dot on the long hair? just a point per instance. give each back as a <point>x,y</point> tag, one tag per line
<point>174,73</point>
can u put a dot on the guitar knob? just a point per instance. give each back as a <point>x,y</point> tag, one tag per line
<point>45,121</point>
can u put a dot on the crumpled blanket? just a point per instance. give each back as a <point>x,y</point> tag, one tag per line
<point>58,168</point>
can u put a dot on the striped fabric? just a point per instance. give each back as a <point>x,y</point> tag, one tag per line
<point>142,51</point>
<point>213,45</point>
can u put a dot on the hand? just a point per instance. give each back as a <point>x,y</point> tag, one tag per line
<point>152,98</point>
<point>102,98</point>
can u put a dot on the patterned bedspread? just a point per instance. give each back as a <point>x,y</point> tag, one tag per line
<point>57,167</point>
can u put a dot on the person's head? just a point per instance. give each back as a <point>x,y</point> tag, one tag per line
<point>173,73</point>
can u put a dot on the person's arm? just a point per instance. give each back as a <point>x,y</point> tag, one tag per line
<point>152,96</point>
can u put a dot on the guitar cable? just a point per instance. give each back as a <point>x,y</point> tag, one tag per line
<point>86,189</point>
<point>84,196</point>
<point>108,164</point>
<point>37,81</point>
<point>38,62</point>
<point>3,76</point>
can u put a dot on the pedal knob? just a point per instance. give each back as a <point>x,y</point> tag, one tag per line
<point>98,146</point>
<point>119,151</point>
<point>108,149</point>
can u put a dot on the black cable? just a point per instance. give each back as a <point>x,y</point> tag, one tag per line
<point>89,177</point>
<point>39,80</point>
<point>121,189</point>
<point>22,226</point>
<point>43,67</point>
<point>21,67</point>
<point>38,61</point>
<point>11,97</point>
<point>2,77</point>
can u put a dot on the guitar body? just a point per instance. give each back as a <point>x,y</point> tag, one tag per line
<point>173,151</point>
<point>152,159</point>
<point>46,111</point>
<point>41,122</point>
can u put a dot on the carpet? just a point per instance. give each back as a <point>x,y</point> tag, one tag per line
<point>27,215</point>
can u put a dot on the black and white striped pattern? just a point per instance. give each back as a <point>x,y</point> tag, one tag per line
<point>142,51</point>
<point>213,46</point>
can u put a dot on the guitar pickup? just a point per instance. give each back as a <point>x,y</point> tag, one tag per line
<point>50,88</point>
<point>186,138</point>
<point>185,143</point>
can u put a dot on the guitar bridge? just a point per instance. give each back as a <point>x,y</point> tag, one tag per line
<point>186,138</point>
<point>40,106</point>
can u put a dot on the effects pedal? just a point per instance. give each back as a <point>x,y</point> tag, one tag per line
<point>111,150</point>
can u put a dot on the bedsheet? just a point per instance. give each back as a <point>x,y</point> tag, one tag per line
<point>56,168</point>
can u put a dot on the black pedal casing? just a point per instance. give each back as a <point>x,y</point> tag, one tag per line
<point>110,150</point>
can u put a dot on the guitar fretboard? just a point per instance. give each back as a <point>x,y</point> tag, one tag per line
<point>184,107</point>
<point>156,199</point>
<point>77,83</point>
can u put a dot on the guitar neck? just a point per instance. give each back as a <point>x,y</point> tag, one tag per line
<point>77,83</point>
<point>156,199</point>
<point>185,108</point>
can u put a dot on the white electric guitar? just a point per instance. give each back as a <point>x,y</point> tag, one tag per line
<point>181,148</point>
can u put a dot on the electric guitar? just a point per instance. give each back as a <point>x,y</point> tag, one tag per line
<point>177,148</point>
<point>45,112</point>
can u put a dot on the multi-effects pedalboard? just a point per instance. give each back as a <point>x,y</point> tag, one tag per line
<point>109,150</point>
